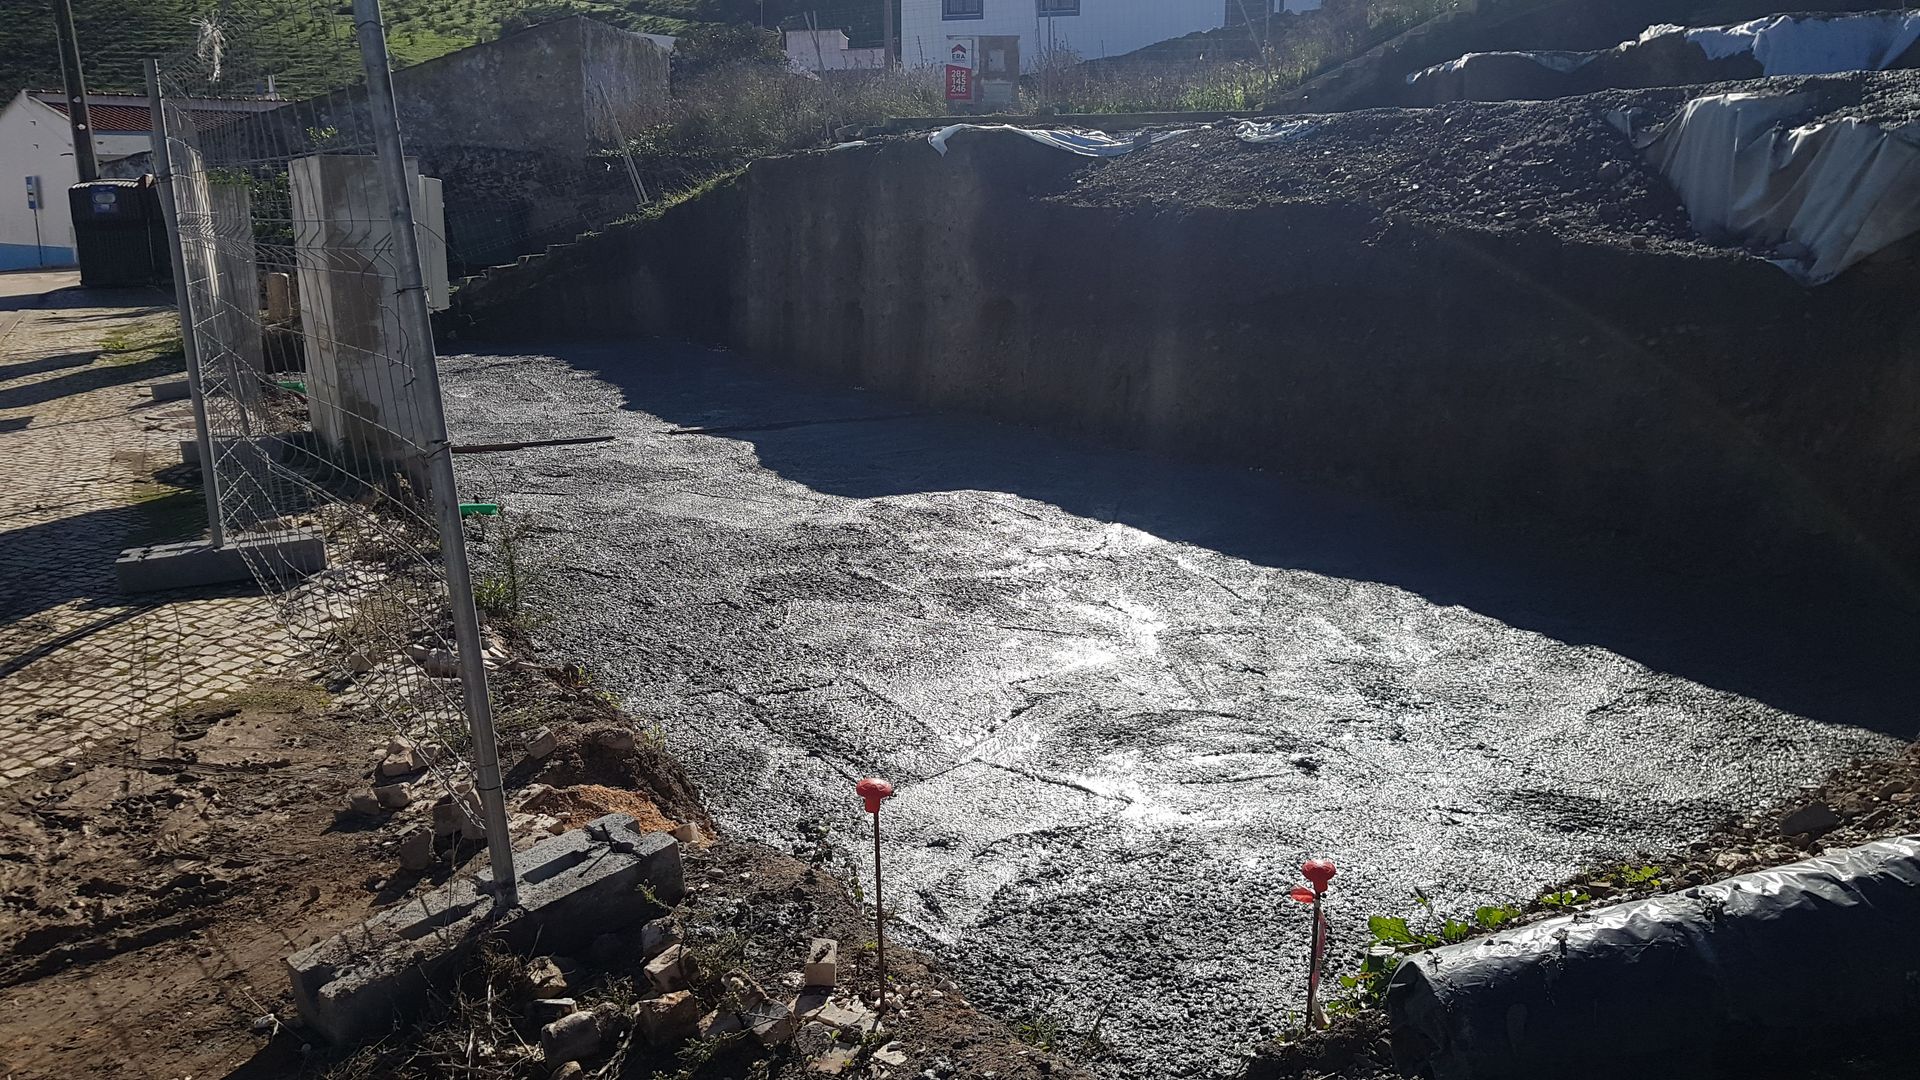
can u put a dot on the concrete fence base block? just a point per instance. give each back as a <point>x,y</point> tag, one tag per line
<point>574,887</point>
<point>295,553</point>
<point>175,390</point>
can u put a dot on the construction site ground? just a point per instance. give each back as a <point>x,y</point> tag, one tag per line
<point>1123,697</point>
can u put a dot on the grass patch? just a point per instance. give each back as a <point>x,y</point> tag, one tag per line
<point>163,513</point>
<point>149,339</point>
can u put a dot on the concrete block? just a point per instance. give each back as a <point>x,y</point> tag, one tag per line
<point>541,743</point>
<point>171,390</point>
<point>823,963</point>
<point>416,850</point>
<point>393,796</point>
<point>280,305</point>
<point>570,1038</point>
<point>668,971</point>
<point>720,1022</point>
<point>195,564</point>
<point>771,1022</point>
<point>572,887</point>
<point>656,936</point>
<point>667,1019</point>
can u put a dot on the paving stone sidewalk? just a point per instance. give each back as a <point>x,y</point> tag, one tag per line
<point>82,441</point>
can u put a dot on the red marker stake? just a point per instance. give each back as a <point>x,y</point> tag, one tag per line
<point>1320,872</point>
<point>875,791</point>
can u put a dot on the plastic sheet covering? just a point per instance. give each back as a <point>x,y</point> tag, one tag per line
<point>1814,44</point>
<point>1086,143</point>
<point>1554,60</point>
<point>1821,196</point>
<point>1757,968</point>
<point>1256,131</point>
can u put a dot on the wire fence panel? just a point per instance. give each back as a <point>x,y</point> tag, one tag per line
<point>315,384</point>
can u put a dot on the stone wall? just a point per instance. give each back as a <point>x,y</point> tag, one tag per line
<point>1705,408</point>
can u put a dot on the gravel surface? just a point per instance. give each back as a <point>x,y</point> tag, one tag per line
<point>1123,698</point>
<point>1553,165</point>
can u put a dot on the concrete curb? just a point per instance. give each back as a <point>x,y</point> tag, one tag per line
<point>573,888</point>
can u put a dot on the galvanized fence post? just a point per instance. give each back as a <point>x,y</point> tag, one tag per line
<point>416,324</point>
<point>183,298</point>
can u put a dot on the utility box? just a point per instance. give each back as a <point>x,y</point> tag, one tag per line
<point>113,233</point>
<point>983,73</point>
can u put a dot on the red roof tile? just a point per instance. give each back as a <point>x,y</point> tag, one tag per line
<point>132,119</point>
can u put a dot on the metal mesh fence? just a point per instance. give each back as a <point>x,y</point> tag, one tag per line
<point>315,388</point>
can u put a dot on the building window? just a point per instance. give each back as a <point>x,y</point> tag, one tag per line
<point>1058,7</point>
<point>960,9</point>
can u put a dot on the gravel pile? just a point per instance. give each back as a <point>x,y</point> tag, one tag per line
<point>1558,165</point>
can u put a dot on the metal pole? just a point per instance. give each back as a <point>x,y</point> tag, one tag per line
<point>886,29</point>
<point>879,913</point>
<point>415,321</point>
<point>183,299</point>
<point>1314,1019</point>
<point>76,86</point>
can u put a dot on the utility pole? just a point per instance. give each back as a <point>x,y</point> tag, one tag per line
<point>886,32</point>
<point>77,115</point>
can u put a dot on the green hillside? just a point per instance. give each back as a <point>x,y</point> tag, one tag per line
<point>307,44</point>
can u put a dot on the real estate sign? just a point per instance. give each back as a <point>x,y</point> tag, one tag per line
<point>960,67</point>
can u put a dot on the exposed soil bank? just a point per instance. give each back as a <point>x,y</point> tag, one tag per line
<point>1544,357</point>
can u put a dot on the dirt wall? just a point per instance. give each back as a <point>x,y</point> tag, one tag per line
<point>1702,406</point>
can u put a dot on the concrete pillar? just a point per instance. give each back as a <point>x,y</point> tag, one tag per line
<point>430,224</point>
<point>280,305</point>
<point>235,295</point>
<point>360,384</point>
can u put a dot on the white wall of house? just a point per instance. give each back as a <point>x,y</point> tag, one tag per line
<point>830,50</point>
<point>35,140</point>
<point>1100,27</point>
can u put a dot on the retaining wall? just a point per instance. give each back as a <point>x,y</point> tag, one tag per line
<point>1700,405</point>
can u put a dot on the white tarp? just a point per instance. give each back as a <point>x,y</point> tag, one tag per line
<point>1814,44</point>
<point>1823,196</point>
<point>1086,143</point>
<point>1256,131</point>
<point>1553,59</point>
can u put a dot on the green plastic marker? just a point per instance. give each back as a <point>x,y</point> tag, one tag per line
<point>479,510</point>
<point>294,385</point>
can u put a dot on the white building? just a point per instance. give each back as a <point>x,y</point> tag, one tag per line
<point>1089,29</point>
<point>830,50</point>
<point>36,141</point>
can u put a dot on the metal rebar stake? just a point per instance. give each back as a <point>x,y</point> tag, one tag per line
<point>879,914</point>
<point>417,324</point>
<point>183,299</point>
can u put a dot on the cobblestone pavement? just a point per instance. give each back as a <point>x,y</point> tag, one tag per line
<point>92,465</point>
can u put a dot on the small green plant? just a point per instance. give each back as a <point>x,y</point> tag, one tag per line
<point>1039,1030</point>
<point>1494,916</point>
<point>1395,939</point>
<point>1640,875</point>
<point>1565,899</point>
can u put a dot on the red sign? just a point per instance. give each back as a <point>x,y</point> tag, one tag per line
<point>959,83</point>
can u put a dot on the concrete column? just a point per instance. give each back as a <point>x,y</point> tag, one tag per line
<point>235,290</point>
<point>360,383</point>
<point>430,225</point>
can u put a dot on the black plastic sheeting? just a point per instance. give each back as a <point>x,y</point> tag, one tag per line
<point>1728,979</point>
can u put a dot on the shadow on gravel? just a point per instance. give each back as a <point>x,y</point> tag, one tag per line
<point>1841,655</point>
